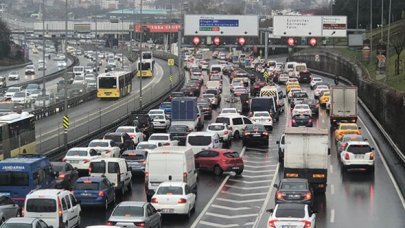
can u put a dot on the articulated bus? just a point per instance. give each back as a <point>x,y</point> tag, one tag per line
<point>114,84</point>
<point>147,68</point>
<point>17,135</point>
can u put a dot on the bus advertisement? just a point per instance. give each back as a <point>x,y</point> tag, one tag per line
<point>114,84</point>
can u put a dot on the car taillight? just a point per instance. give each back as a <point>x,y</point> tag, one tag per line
<point>271,223</point>
<point>61,176</point>
<point>64,160</point>
<point>86,160</point>
<point>310,120</point>
<point>293,120</point>
<point>166,144</point>
<point>347,156</point>
<point>154,200</point>
<point>101,194</point>
<point>226,132</point>
<point>146,177</point>
<point>343,145</point>
<point>182,200</point>
<point>280,195</point>
<point>185,177</point>
<point>247,133</point>
<point>308,196</point>
<point>225,160</point>
<point>89,169</point>
<point>140,224</point>
<point>132,136</point>
<point>307,223</point>
<point>265,133</point>
<point>372,156</point>
<point>60,212</point>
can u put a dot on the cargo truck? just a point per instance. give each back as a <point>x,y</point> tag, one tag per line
<point>343,105</point>
<point>185,111</point>
<point>306,155</point>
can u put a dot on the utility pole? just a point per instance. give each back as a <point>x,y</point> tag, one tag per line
<point>371,29</point>
<point>140,59</point>
<point>388,42</point>
<point>65,132</point>
<point>382,20</point>
<point>43,53</point>
<point>96,38</point>
<point>266,45</point>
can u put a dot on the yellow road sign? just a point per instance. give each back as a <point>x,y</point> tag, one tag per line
<point>170,62</point>
<point>266,74</point>
<point>171,78</point>
<point>66,122</point>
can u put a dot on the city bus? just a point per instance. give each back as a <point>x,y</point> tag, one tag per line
<point>114,84</point>
<point>17,135</point>
<point>147,68</point>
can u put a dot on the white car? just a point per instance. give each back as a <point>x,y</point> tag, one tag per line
<point>134,133</point>
<point>357,154</point>
<point>160,121</point>
<point>229,111</point>
<point>301,109</point>
<point>291,215</point>
<point>30,69</point>
<point>41,66</point>
<point>264,118</point>
<point>105,147</point>
<point>292,91</point>
<point>148,146</point>
<point>156,112</point>
<point>80,157</point>
<point>61,64</point>
<point>319,89</point>
<point>22,97</point>
<point>314,81</point>
<point>204,65</point>
<point>174,197</point>
<point>163,138</point>
<point>11,91</point>
<point>283,78</point>
<point>213,100</point>
<point>13,75</point>
<point>224,132</point>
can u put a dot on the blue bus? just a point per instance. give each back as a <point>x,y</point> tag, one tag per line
<point>20,175</point>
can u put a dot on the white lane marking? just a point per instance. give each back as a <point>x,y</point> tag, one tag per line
<point>258,176</point>
<point>218,225</point>
<point>258,171</point>
<point>332,189</point>
<point>259,166</point>
<point>330,168</point>
<point>109,108</point>
<point>249,182</point>
<point>230,208</point>
<point>332,215</point>
<point>244,194</point>
<point>230,216</point>
<point>266,201</point>
<point>401,197</point>
<point>246,188</point>
<point>257,162</point>
<point>197,220</point>
<point>240,201</point>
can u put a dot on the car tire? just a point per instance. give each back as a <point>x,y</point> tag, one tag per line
<point>239,172</point>
<point>217,170</point>
<point>236,135</point>
<point>188,215</point>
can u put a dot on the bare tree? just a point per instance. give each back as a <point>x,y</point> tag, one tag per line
<point>398,43</point>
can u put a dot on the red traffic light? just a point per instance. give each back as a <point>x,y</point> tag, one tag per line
<point>241,41</point>
<point>216,40</point>
<point>290,41</point>
<point>196,40</point>
<point>313,42</point>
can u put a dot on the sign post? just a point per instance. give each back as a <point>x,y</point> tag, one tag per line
<point>170,62</point>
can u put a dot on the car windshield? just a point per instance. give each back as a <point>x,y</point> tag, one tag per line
<point>146,146</point>
<point>222,120</point>
<point>294,186</point>
<point>98,144</point>
<point>153,112</point>
<point>166,105</point>
<point>14,178</point>
<point>216,127</point>
<point>157,117</point>
<point>41,205</point>
<point>261,114</point>
<point>170,190</point>
<point>115,138</point>
<point>207,95</point>
<point>76,153</point>
<point>129,211</point>
<point>13,90</point>
<point>290,213</point>
<point>133,156</point>
<point>301,106</point>
<point>159,137</point>
<point>199,140</point>
<point>359,149</point>
<point>86,185</point>
<point>231,154</point>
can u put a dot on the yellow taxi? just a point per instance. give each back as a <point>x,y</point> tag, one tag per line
<point>346,128</point>
<point>324,98</point>
<point>292,85</point>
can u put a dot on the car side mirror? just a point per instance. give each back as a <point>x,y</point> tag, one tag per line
<point>277,142</point>
<point>275,185</point>
<point>270,211</point>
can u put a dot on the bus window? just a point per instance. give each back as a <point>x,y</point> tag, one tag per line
<point>107,82</point>
<point>14,178</point>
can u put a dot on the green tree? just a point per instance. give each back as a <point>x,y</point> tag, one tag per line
<point>398,44</point>
<point>4,40</point>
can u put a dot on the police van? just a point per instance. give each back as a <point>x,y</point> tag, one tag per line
<point>21,175</point>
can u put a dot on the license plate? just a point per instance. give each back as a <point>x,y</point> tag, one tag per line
<point>85,194</point>
<point>359,156</point>
<point>288,226</point>
<point>256,135</point>
<point>74,162</point>
<point>167,210</point>
<point>262,120</point>
<point>235,168</point>
<point>294,196</point>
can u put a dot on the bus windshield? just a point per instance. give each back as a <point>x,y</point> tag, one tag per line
<point>107,83</point>
<point>145,66</point>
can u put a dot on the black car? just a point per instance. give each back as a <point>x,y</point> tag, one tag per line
<point>189,91</point>
<point>313,104</point>
<point>179,132</point>
<point>304,77</point>
<point>255,134</point>
<point>109,68</point>
<point>216,93</point>
<point>121,139</point>
<point>143,122</point>
<point>136,160</point>
<point>301,120</point>
<point>293,190</point>
<point>65,175</point>
<point>175,94</point>
<point>296,101</point>
<point>206,109</point>
<point>245,101</point>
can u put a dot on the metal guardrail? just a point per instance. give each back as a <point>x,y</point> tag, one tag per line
<point>8,68</point>
<point>151,99</point>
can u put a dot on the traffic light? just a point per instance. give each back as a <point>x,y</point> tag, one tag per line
<point>241,41</point>
<point>290,41</point>
<point>216,40</point>
<point>196,40</point>
<point>312,42</point>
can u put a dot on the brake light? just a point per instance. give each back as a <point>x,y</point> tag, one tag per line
<point>247,133</point>
<point>226,132</point>
<point>132,136</point>
<point>101,194</point>
<point>265,133</point>
<point>307,223</point>
<point>372,156</point>
<point>185,177</point>
<point>271,223</point>
<point>280,196</point>
<point>343,145</point>
<point>293,120</point>
<point>89,169</point>
<point>144,162</point>
<point>291,175</point>
<point>308,196</point>
<point>154,200</point>
<point>140,224</point>
<point>86,160</point>
<point>60,212</point>
<point>182,200</point>
<point>347,156</point>
<point>166,144</point>
<point>225,160</point>
<point>61,176</point>
<point>146,178</point>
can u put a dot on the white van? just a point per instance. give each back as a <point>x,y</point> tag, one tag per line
<point>214,85</point>
<point>116,170</point>
<point>216,68</point>
<point>58,208</point>
<point>236,122</point>
<point>169,163</point>
<point>299,67</point>
<point>289,67</point>
<point>203,140</point>
<point>78,71</point>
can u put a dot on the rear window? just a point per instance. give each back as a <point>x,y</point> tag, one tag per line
<point>231,154</point>
<point>290,213</point>
<point>348,127</point>
<point>115,138</point>
<point>178,129</point>
<point>222,120</point>
<point>41,205</point>
<point>146,146</point>
<point>170,190</point>
<point>216,127</point>
<point>86,186</point>
<point>359,149</point>
<point>126,129</point>
<point>294,186</point>
<point>128,211</point>
<point>97,167</point>
<point>113,167</point>
<point>76,153</point>
<point>134,157</point>
<point>14,179</point>
<point>98,144</point>
<point>253,127</point>
<point>199,140</point>
<point>159,137</point>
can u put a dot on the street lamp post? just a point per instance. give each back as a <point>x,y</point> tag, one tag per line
<point>357,15</point>
<point>96,39</point>
<point>141,57</point>
<point>65,133</point>
<point>43,53</point>
<point>382,19</point>
<point>388,40</point>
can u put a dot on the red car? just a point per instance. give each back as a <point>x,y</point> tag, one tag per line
<point>219,160</point>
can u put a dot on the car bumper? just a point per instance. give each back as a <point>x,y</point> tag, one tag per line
<point>172,209</point>
<point>91,202</point>
<point>233,168</point>
<point>259,140</point>
<point>358,164</point>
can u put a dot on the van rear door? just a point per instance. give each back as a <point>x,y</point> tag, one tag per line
<point>163,165</point>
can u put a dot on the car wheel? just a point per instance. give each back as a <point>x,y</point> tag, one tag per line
<point>217,170</point>
<point>236,135</point>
